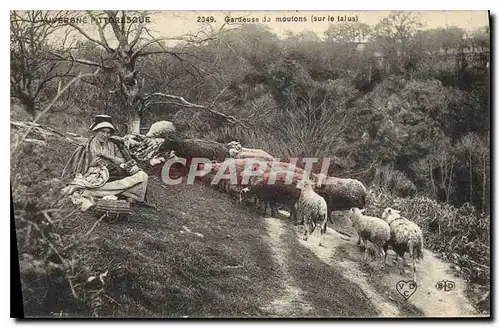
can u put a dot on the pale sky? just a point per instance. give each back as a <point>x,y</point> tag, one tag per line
<point>175,23</point>
<point>179,22</point>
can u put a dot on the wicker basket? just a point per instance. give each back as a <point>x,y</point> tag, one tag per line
<point>113,208</point>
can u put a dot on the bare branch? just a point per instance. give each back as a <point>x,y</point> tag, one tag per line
<point>137,34</point>
<point>100,29</point>
<point>190,38</point>
<point>184,103</point>
<point>49,78</point>
<point>120,35</point>
<point>125,36</point>
<point>59,94</point>
<point>137,53</point>
<point>83,61</point>
<point>88,37</point>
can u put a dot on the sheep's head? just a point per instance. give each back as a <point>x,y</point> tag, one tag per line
<point>355,213</point>
<point>243,193</point>
<point>258,177</point>
<point>156,160</point>
<point>355,210</point>
<point>319,178</point>
<point>304,184</point>
<point>233,152</point>
<point>172,155</point>
<point>390,214</point>
<point>235,146</point>
<point>160,129</point>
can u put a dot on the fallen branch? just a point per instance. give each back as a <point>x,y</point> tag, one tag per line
<point>43,129</point>
<point>111,299</point>
<point>184,103</point>
<point>48,217</point>
<point>95,224</point>
<point>72,288</point>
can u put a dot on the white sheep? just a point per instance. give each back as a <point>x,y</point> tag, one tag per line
<point>371,228</point>
<point>239,152</point>
<point>161,129</point>
<point>311,209</point>
<point>406,236</point>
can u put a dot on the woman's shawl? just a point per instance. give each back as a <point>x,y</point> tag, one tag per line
<point>79,161</point>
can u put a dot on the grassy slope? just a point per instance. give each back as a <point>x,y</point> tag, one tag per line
<point>160,271</point>
<point>155,270</point>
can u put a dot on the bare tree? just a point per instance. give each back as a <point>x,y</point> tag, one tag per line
<point>32,67</point>
<point>134,40</point>
<point>394,35</point>
<point>348,33</point>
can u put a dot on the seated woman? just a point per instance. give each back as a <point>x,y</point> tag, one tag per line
<point>125,178</point>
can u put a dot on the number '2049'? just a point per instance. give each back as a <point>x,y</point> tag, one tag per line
<point>205,19</point>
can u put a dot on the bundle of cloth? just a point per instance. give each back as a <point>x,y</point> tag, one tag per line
<point>145,147</point>
<point>96,177</point>
<point>142,148</point>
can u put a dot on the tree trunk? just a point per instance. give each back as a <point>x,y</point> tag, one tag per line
<point>470,178</point>
<point>450,178</point>
<point>134,124</point>
<point>484,182</point>
<point>129,88</point>
<point>432,181</point>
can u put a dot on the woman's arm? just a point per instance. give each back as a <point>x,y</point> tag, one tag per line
<point>114,159</point>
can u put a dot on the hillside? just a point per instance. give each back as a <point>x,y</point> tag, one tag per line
<point>406,114</point>
<point>202,254</point>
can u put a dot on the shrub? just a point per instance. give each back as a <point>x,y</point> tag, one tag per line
<point>52,237</point>
<point>460,235</point>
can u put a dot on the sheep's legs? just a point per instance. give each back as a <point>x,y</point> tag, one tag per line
<point>306,230</point>
<point>383,255</point>
<point>273,209</point>
<point>323,231</point>
<point>405,263</point>
<point>402,261</point>
<point>293,214</point>
<point>384,249</point>
<point>414,269</point>
<point>313,227</point>
<point>265,208</point>
<point>330,215</point>
<point>361,242</point>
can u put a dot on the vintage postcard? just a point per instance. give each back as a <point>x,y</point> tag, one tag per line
<point>264,164</point>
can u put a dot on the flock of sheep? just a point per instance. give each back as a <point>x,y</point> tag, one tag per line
<point>310,200</point>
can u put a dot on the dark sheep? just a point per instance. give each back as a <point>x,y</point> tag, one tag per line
<point>239,166</point>
<point>190,148</point>
<point>341,194</point>
<point>279,192</point>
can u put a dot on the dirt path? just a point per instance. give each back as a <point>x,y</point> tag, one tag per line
<point>434,302</point>
<point>291,302</point>
<point>379,284</point>
<point>351,270</point>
